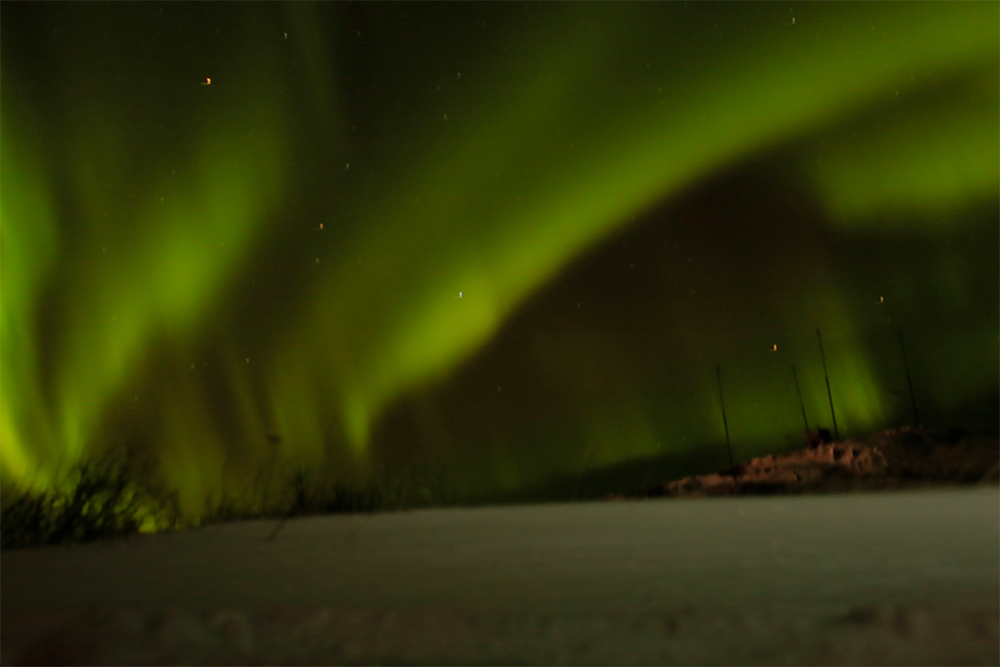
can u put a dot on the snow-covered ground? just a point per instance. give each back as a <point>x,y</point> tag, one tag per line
<point>870,578</point>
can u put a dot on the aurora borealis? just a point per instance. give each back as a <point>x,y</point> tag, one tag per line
<point>483,243</point>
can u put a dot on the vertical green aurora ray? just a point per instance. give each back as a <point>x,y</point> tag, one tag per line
<point>28,252</point>
<point>143,251</point>
<point>589,115</point>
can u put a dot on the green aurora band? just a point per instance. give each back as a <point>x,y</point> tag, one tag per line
<point>310,261</point>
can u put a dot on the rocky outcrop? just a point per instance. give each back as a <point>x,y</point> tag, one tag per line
<point>890,459</point>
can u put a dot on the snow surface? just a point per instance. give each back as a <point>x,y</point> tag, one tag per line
<point>868,578</point>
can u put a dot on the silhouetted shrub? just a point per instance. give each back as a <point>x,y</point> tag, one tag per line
<point>99,499</point>
<point>302,496</point>
<point>336,498</point>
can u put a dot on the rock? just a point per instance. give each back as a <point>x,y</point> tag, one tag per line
<point>899,457</point>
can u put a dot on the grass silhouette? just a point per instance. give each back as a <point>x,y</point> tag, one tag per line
<point>98,499</point>
<point>101,498</point>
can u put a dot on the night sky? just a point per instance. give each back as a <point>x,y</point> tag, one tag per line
<point>469,247</point>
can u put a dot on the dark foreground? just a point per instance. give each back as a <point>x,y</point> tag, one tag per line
<point>894,577</point>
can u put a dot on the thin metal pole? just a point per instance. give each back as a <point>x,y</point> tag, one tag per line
<point>725,424</point>
<point>913,400</point>
<point>836,433</point>
<point>805,422</point>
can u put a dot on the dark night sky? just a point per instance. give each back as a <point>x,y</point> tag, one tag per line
<point>468,246</point>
